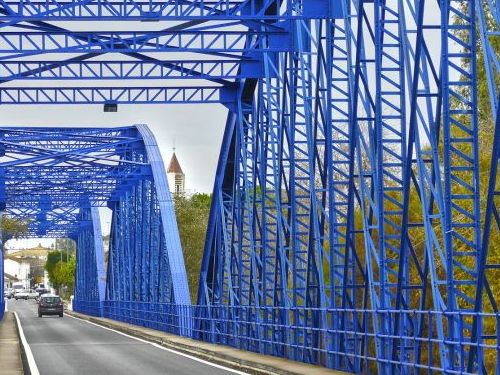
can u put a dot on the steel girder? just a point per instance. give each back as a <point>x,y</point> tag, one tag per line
<point>90,275</point>
<point>2,284</point>
<point>346,226</point>
<point>27,43</point>
<point>215,70</point>
<point>122,95</point>
<point>139,10</point>
<point>55,179</point>
<point>146,265</point>
<point>488,263</point>
<point>225,38</point>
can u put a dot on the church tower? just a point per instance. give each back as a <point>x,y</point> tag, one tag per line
<point>175,176</point>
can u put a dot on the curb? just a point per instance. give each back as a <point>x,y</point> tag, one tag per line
<point>229,361</point>
<point>24,358</point>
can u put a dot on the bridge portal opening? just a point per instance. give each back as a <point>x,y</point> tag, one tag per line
<point>57,180</point>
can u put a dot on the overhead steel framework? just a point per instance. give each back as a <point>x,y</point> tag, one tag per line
<point>352,224</point>
<point>55,179</point>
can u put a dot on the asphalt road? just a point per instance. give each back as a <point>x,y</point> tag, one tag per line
<point>71,346</point>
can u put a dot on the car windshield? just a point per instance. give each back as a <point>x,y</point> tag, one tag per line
<point>51,299</point>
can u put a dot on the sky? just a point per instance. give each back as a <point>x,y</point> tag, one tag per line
<point>196,130</point>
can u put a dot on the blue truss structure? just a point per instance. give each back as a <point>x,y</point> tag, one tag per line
<point>347,227</point>
<point>55,179</point>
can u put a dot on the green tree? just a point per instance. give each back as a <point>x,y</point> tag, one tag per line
<point>53,259</point>
<point>192,218</point>
<point>13,228</point>
<point>64,275</point>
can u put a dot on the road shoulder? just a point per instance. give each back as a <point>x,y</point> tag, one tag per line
<point>10,348</point>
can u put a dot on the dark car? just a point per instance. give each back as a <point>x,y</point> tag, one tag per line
<point>50,304</point>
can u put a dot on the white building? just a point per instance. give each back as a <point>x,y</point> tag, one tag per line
<point>20,270</point>
<point>175,176</point>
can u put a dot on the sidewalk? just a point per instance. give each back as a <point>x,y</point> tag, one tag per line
<point>241,360</point>
<point>10,350</point>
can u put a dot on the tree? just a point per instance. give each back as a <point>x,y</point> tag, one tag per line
<point>13,228</point>
<point>64,275</point>
<point>192,218</point>
<point>53,259</point>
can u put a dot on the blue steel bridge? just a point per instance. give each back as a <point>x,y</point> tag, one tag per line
<point>352,225</point>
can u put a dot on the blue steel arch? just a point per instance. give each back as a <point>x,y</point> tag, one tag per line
<point>57,178</point>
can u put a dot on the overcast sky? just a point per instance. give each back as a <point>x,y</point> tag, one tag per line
<point>196,129</point>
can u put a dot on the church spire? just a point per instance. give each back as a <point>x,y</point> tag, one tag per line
<point>174,166</point>
<point>175,175</point>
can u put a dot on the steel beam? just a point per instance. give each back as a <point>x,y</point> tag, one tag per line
<point>139,10</point>
<point>117,95</point>
<point>126,70</point>
<point>27,43</point>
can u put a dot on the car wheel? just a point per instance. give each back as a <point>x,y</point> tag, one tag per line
<point>61,315</point>
<point>39,315</point>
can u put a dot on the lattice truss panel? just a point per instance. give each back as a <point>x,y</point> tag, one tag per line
<point>129,47</point>
<point>347,223</point>
<point>55,179</point>
<point>348,227</point>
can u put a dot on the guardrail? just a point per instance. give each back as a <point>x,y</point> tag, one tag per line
<point>337,338</point>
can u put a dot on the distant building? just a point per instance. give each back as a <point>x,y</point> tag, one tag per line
<point>28,265</point>
<point>175,176</point>
<point>20,270</point>
<point>8,280</point>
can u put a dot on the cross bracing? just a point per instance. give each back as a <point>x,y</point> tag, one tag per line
<point>55,179</point>
<point>347,227</point>
<point>63,10</point>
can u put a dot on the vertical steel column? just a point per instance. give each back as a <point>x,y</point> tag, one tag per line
<point>90,276</point>
<point>488,264</point>
<point>461,165</point>
<point>2,273</point>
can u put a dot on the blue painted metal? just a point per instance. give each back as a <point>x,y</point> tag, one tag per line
<point>119,95</point>
<point>353,169</point>
<point>2,299</point>
<point>140,10</point>
<point>28,43</point>
<point>90,277</point>
<point>345,228</point>
<point>55,179</point>
<point>126,70</point>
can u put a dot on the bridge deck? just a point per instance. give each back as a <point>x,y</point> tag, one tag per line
<point>241,360</point>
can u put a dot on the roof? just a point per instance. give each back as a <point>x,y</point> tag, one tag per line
<point>174,166</point>
<point>34,251</point>
<point>9,277</point>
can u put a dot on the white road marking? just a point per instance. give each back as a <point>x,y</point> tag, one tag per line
<point>162,347</point>
<point>27,350</point>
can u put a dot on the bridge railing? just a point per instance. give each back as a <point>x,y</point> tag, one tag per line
<point>338,338</point>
